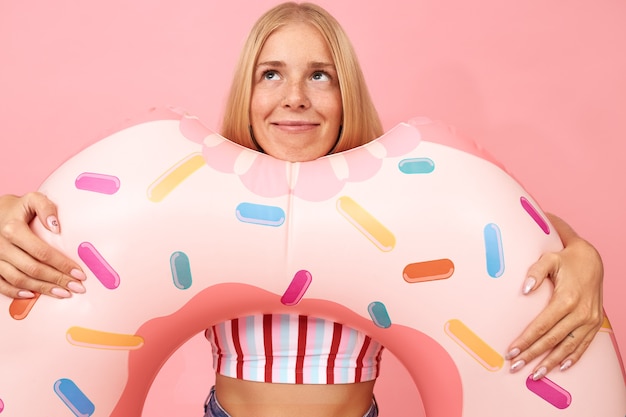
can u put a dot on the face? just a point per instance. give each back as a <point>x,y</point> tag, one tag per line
<point>296,108</point>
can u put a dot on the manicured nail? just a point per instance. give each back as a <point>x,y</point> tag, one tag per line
<point>512,353</point>
<point>529,284</point>
<point>566,365</point>
<point>517,365</point>
<point>53,224</point>
<point>76,287</point>
<point>25,294</point>
<point>60,292</point>
<point>78,274</point>
<point>540,373</point>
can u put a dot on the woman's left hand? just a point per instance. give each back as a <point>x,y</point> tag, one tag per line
<point>565,328</point>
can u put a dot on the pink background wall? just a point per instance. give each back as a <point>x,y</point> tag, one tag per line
<point>540,84</point>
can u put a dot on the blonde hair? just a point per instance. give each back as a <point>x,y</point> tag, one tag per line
<point>361,123</point>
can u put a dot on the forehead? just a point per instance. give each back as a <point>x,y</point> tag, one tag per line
<point>294,40</point>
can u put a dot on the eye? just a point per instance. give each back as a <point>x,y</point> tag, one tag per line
<point>320,76</point>
<point>270,75</point>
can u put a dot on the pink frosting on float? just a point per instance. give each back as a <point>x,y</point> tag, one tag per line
<point>316,181</point>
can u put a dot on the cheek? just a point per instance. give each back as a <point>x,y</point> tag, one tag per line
<point>254,108</point>
<point>336,111</point>
<point>260,106</point>
<point>329,105</point>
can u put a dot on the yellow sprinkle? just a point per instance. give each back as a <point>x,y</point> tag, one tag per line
<point>367,224</point>
<point>174,176</point>
<point>474,345</point>
<point>84,337</point>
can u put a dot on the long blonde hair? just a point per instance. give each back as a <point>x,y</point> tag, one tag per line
<point>361,122</point>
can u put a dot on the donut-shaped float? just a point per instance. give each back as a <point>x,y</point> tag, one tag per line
<point>415,238</point>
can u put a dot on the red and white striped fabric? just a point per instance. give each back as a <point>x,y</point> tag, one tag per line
<point>285,348</point>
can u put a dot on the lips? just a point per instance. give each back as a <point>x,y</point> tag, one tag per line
<point>295,126</point>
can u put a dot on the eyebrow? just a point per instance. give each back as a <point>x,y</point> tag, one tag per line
<point>314,64</point>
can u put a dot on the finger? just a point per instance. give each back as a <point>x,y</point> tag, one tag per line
<point>575,356</point>
<point>22,272</point>
<point>566,353</point>
<point>44,209</point>
<point>558,342</point>
<point>14,292</point>
<point>38,259</point>
<point>520,356</point>
<point>15,284</point>
<point>545,267</point>
<point>544,324</point>
<point>588,333</point>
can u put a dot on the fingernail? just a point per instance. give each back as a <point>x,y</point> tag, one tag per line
<point>53,224</point>
<point>540,373</point>
<point>25,294</point>
<point>517,365</point>
<point>512,353</point>
<point>76,287</point>
<point>78,274</point>
<point>566,365</point>
<point>60,292</point>
<point>529,284</point>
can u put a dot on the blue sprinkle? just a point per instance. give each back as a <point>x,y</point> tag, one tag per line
<point>181,270</point>
<point>379,315</point>
<point>493,250</point>
<point>74,398</point>
<point>260,214</point>
<point>416,166</point>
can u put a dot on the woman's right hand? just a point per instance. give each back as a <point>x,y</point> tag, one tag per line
<point>28,265</point>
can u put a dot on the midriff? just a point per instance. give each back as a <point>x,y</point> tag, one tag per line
<point>245,398</point>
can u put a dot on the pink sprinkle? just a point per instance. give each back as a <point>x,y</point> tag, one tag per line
<point>550,391</point>
<point>98,265</point>
<point>99,183</point>
<point>298,286</point>
<point>534,213</point>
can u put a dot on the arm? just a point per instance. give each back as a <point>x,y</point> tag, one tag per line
<point>565,328</point>
<point>29,265</point>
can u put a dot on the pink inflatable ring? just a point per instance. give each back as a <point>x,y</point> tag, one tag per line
<point>416,238</point>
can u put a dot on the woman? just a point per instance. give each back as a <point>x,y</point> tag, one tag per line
<point>298,93</point>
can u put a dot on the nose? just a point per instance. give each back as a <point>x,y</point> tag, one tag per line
<point>295,96</point>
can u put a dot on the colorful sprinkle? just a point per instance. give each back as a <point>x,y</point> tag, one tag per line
<point>74,398</point>
<point>367,224</point>
<point>260,214</point>
<point>296,289</point>
<point>493,250</point>
<point>549,391</point>
<point>84,337</point>
<point>474,345</point>
<point>181,270</point>
<point>428,270</point>
<point>98,183</point>
<point>98,265</point>
<point>174,176</point>
<point>20,307</point>
<point>416,166</point>
<point>534,213</point>
<point>379,315</point>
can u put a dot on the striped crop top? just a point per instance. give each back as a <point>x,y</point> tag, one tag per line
<point>287,348</point>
